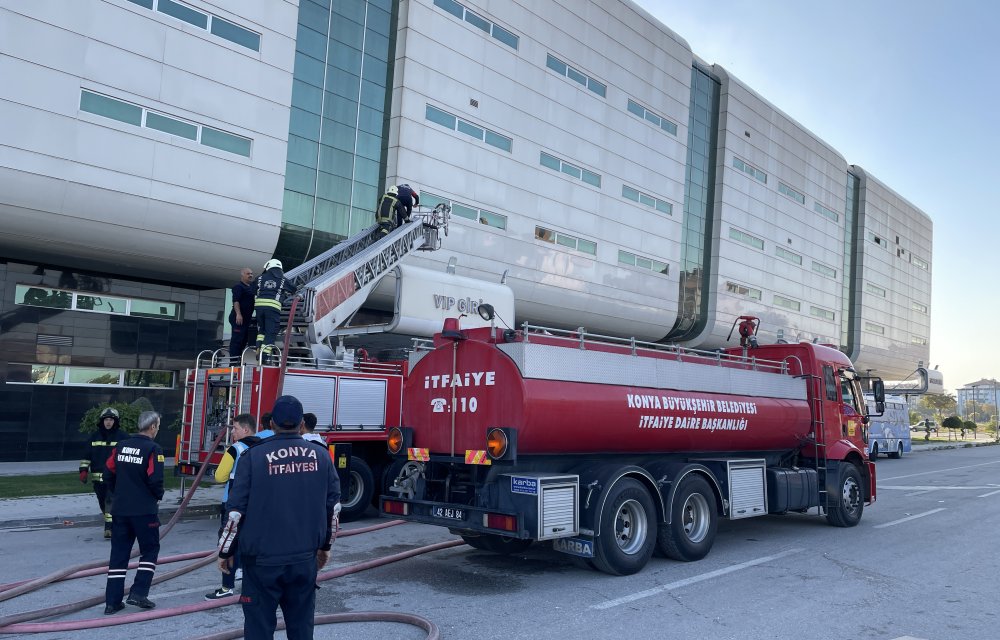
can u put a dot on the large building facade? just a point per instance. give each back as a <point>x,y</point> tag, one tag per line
<point>622,183</point>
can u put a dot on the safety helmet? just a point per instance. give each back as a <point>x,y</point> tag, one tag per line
<point>272,263</point>
<point>393,191</point>
<point>109,413</point>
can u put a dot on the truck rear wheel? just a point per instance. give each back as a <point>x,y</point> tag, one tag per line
<point>896,455</point>
<point>693,521</point>
<point>847,512</point>
<point>356,497</point>
<point>497,544</point>
<point>628,529</point>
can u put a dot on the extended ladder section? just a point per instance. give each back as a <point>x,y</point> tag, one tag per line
<point>819,437</point>
<point>335,284</point>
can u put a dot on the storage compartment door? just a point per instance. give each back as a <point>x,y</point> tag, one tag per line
<point>361,403</point>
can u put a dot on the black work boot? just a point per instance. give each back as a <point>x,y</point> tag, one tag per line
<point>141,601</point>
<point>113,608</point>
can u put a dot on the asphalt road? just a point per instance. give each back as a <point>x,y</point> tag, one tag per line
<point>921,565</point>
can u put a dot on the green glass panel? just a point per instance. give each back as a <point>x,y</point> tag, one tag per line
<point>492,219</point>
<point>311,42</point>
<point>505,37</point>
<point>157,309</point>
<point>668,126</point>
<point>499,141</point>
<point>235,33</point>
<point>307,97</point>
<point>314,16</point>
<point>470,130</point>
<point>308,69</point>
<point>143,3</point>
<point>636,108</point>
<point>451,7</point>
<point>463,211</point>
<point>102,304</point>
<point>370,120</point>
<point>646,200</point>
<point>331,187</point>
<point>300,178</point>
<point>146,378</point>
<point>182,12</point>
<point>171,126</point>
<point>297,209</point>
<point>42,297</point>
<point>430,200</point>
<point>566,241</point>
<point>440,117</point>
<point>571,170</point>
<point>586,246</point>
<point>625,257</point>
<point>573,74</point>
<point>597,87</point>
<point>347,32</point>
<point>556,65</point>
<point>48,374</point>
<point>110,108</point>
<point>477,21</point>
<point>550,161</point>
<point>591,178</point>
<point>629,193</point>
<point>664,207</point>
<point>225,141</point>
<point>376,46</point>
<point>80,375</point>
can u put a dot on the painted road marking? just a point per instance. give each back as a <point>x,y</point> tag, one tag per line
<point>935,487</point>
<point>924,473</point>
<point>991,493</point>
<point>692,580</point>
<point>907,519</point>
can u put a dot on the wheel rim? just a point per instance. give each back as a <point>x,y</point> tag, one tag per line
<point>852,495</point>
<point>354,492</point>
<point>695,517</point>
<point>631,527</point>
<point>899,449</point>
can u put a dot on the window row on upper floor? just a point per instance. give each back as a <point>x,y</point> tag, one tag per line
<point>38,296</point>
<point>781,252</point>
<point>784,189</point>
<point>138,116</point>
<point>489,27</point>
<point>738,289</point>
<point>213,24</point>
<point>916,261</point>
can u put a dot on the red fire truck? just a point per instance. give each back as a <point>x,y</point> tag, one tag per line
<point>612,448</point>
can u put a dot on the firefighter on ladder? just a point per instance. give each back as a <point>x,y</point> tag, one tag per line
<point>390,211</point>
<point>272,289</point>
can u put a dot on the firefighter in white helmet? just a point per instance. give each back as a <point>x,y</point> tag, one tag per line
<point>272,289</point>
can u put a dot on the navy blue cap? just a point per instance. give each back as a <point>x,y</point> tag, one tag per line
<point>287,412</point>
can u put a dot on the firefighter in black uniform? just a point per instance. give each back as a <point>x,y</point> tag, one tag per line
<point>285,525</point>
<point>390,210</point>
<point>103,441</point>
<point>272,288</point>
<point>135,472</point>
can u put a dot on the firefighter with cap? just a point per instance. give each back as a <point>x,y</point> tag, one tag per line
<point>135,472</point>
<point>108,434</point>
<point>390,211</point>
<point>408,197</point>
<point>272,289</point>
<point>285,525</point>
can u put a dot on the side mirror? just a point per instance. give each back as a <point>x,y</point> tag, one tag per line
<point>878,390</point>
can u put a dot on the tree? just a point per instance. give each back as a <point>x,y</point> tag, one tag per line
<point>968,425</point>
<point>128,414</point>
<point>953,423</point>
<point>939,403</point>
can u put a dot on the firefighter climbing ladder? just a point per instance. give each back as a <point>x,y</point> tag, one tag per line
<point>333,285</point>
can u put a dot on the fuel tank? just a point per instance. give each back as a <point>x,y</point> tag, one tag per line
<point>566,396</point>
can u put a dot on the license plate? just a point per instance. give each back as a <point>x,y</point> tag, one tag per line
<point>574,547</point>
<point>448,513</point>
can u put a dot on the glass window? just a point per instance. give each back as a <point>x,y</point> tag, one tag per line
<point>171,126</point>
<point>636,108</point>
<point>547,235</point>
<point>647,200</point>
<point>791,193</point>
<point>143,3</point>
<point>493,219</point>
<point>181,12</point>
<point>81,375</point>
<point>586,246</point>
<point>630,193</point>
<point>591,178</point>
<point>431,200</point>
<point>505,37</point>
<point>661,267</point>
<point>566,241</point>
<point>575,75</point>
<point>785,254</point>
<point>668,126</point>
<point>819,312</point>
<point>157,309</point>
<point>569,169</point>
<point>499,141</point>
<point>149,378</point>
<point>549,161</point>
<point>597,87</point>
<point>746,238</point>
<point>555,64</point>
<point>440,117</point>
<point>48,374</point>
<point>870,288</point>
<point>829,213</point>
<point>824,270</point>
<point>665,207</point>
<point>110,108</point>
<point>464,211</point>
<point>234,33</point>
<point>42,297</point>
<point>102,304</point>
<point>470,130</point>
<point>652,117</point>
<point>477,21</point>
<point>787,303</point>
<point>451,7</point>
<point>920,308</point>
<point>624,257</point>
<point>874,328</point>
<point>225,141</point>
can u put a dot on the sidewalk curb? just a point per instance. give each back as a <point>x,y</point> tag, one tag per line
<point>195,511</point>
<point>950,445</point>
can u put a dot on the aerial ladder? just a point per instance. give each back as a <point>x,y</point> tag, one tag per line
<point>333,286</point>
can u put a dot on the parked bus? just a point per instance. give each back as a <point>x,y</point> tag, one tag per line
<point>889,433</point>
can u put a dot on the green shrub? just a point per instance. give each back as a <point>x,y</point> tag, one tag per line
<point>128,414</point>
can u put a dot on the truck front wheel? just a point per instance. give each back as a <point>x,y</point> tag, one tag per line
<point>693,521</point>
<point>356,497</point>
<point>628,529</point>
<point>847,512</point>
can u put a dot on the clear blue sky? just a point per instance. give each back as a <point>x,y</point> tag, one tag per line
<point>907,89</point>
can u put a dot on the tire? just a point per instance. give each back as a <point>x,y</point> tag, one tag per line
<point>694,521</point>
<point>503,545</point>
<point>628,529</point>
<point>847,512</point>
<point>356,497</point>
<point>874,452</point>
<point>898,453</point>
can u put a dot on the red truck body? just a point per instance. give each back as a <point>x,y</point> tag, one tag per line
<point>490,414</point>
